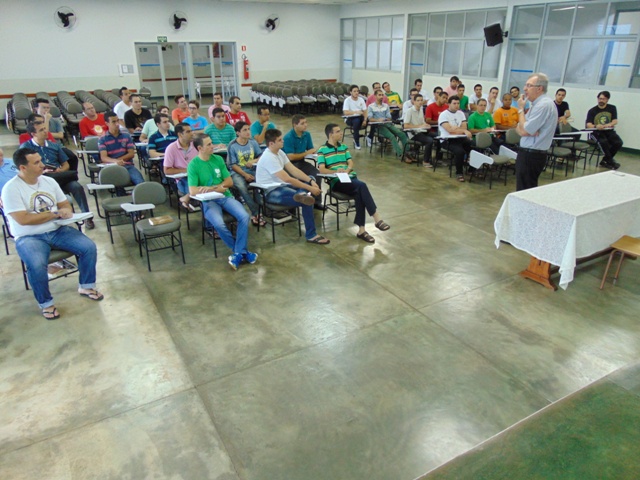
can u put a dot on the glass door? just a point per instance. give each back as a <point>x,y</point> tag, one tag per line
<point>169,69</point>
<point>415,67</point>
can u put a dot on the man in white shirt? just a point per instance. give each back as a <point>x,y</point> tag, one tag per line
<point>33,202</point>
<point>414,119</point>
<point>417,84</point>
<point>123,105</point>
<point>355,109</point>
<point>477,95</point>
<point>274,167</point>
<point>453,123</point>
<point>493,101</point>
<point>436,94</point>
<point>409,103</point>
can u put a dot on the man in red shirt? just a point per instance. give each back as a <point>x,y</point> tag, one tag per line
<point>93,124</point>
<point>431,115</point>
<point>235,115</point>
<point>434,110</point>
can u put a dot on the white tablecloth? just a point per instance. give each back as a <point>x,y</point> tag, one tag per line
<point>561,222</point>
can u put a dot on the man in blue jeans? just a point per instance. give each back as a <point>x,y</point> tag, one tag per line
<point>117,147</point>
<point>275,168</point>
<point>32,202</point>
<point>207,173</point>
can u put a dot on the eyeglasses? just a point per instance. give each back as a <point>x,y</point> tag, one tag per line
<point>530,85</point>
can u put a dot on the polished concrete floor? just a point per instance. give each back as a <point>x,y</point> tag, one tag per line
<point>348,361</point>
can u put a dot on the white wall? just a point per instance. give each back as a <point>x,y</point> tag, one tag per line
<point>45,57</point>
<point>580,99</point>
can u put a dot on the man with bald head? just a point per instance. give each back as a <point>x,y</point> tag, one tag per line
<point>536,128</point>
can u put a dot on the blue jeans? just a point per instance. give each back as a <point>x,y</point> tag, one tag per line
<point>77,191</point>
<point>243,187</point>
<point>34,252</point>
<point>213,213</point>
<point>134,174</point>
<point>284,196</point>
<point>183,186</point>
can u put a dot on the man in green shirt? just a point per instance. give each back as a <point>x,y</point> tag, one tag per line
<point>482,121</point>
<point>207,173</point>
<point>220,132</point>
<point>334,157</point>
<point>464,100</point>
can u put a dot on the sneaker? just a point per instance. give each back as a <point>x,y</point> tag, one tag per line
<point>615,165</point>
<point>304,198</point>
<point>89,224</point>
<point>251,257</point>
<point>358,145</point>
<point>368,142</point>
<point>235,260</point>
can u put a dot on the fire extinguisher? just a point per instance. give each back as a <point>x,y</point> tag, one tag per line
<point>245,65</point>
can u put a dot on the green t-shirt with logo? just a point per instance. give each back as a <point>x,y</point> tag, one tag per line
<point>201,173</point>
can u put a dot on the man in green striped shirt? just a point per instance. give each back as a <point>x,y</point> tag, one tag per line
<point>334,157</point>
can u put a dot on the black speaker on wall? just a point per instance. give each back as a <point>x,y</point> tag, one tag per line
<point>493,35</point>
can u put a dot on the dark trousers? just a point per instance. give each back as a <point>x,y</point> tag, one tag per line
<point>529,166</point>
<point>459,147</point>
<point>356,125</point>
<point>610,142</point>
<point>364,200</point>
<point>427,141</point>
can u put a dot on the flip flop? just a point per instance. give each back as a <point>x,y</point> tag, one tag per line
<point>50,315</point>
<point>366,237</point>
<point>319,240</point>
<point>94,295</point>
<point>382,226</point>
<point>188,206</point>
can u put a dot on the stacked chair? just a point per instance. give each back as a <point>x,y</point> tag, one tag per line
<point>294,96</point>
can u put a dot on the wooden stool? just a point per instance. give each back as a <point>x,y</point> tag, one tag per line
<point>625,246</point>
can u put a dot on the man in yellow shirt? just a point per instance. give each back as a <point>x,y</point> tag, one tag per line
<point>506,117</point>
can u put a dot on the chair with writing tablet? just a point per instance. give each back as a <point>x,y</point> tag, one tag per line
<point>110,178</point>
<point>154,233</point>
<point>273,213</point>
<point>337,202</point>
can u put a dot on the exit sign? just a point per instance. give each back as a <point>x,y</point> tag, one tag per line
<point>162,39</point>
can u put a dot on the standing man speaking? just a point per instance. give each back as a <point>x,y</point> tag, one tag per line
<point>536,128</point>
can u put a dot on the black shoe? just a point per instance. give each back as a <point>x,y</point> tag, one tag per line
<point>615,165</point>
<point>606,164</point>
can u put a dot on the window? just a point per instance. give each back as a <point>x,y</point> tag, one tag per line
<point>379,41</point>
<point>455,42</point>
<point>592,44</point>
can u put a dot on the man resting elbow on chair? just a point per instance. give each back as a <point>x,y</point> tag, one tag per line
<point>33,202</point>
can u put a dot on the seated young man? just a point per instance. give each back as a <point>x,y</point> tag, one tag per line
<point>56,163</point>
<point>32,203</point>
<point>274,167</point>
<point>117,147</point>
<point>334,157</point>
<point>452,122</point>
<point>176,160</point>
<point>242,157</point>
<point>197,122</point>
<point>208,173</point>
<point>482,121</point>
